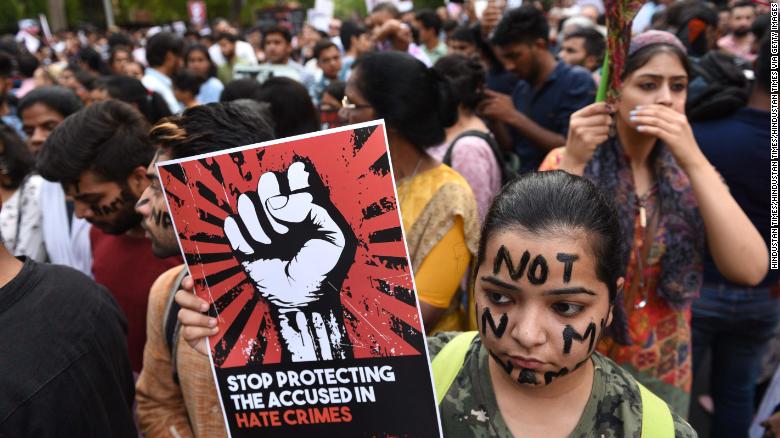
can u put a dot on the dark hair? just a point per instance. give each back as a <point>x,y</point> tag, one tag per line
<point>386,7</point>
<point>158,46</point>
<point>743,4</point>
<point>226,36</point>
<point>60,99</point>
<point>525,24</point>
<point>27,64</point>
<point>186,80</point>
<point>210,128</point>
<point>414,100</point>
<point>463,33</point>
<point>119,39</point>
<point>131,90</point>
<point>594,41</point>
<point>16,161</point>
<point>281,30</point>
<point>467,77</point>
<point>429,20</point>
<point>6,65</point>
<point>109,138</point>
<point>556,203</point>
<point>760,26</point>
<point>321,46</point>
<point>642,56</point>
<point>239,89</point>
<point>197,47</point>
<point>92,59</point>
<point>336,89</point>
<point>292,110</point>
<point>763,65</point>
<point>350,29</point>
<point>449,26</point>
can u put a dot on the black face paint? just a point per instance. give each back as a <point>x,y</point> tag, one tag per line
<point>487,319</point>
<point>570,334</point>
<point>107,209</point>
<point>161,218</point>
<point>550,375</point>
<point>527,377</point>
<point>537,273</point>
<point>503,256</point>
<point>507,367</point>
<point>568,263</point>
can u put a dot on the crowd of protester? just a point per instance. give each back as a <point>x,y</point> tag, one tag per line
<point>497,147</point>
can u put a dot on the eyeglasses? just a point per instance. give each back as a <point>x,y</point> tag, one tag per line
<point>346,104</point>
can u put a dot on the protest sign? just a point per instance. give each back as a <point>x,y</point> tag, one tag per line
<point>297,245</point>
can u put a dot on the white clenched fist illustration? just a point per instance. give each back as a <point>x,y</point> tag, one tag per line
<point>296,247</point>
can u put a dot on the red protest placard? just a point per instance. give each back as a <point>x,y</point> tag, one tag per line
<point>298,246</point>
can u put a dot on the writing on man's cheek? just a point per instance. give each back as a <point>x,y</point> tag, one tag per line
<point>107,209</point>
<point>161,218</point>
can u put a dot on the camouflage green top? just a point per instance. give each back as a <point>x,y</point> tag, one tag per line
<point>470,410</point>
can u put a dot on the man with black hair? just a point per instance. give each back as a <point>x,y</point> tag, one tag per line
<point>277,45</point>
<point>583,47</point>
<point>227,46</point>
<point>548,92</point>
<point>64,370</point>
<point>244,50</point>
<point>99,156</point>
<point>462,42</point>
<point>328,58</point>
<point>164,52</point>
<point>740,41</point>
<point>66,236</point>
<point>428,25</point>
<point>356,41</point>
<point>175,391</point>
<point>733,321</point>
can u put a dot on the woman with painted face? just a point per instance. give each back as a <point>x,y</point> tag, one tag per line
<point>671,203</point>
<point>548,271</point>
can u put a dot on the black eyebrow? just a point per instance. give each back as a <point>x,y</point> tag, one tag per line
<point>495,281</point>
<point>569,291</point>
<point>656,76</point>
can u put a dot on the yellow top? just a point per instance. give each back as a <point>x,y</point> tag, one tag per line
<point>441,225</point>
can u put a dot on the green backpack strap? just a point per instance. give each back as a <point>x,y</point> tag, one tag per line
<point>657,421</point>
<point>447,364</point>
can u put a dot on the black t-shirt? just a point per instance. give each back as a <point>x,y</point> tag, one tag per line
<point>64,367</point>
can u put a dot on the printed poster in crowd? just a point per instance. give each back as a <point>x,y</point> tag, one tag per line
<point>298,246</point>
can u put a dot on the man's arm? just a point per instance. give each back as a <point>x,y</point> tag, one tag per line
<point>160,405</point>
<point>499,107</point>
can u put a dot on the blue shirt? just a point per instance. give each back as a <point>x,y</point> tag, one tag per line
<point>566,90</point>
<point>738,147</point>
<point>210,91</point>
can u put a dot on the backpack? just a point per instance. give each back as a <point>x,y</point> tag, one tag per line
<point>448,363</point>
<point>171,325</point>
<point>508,162</point>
